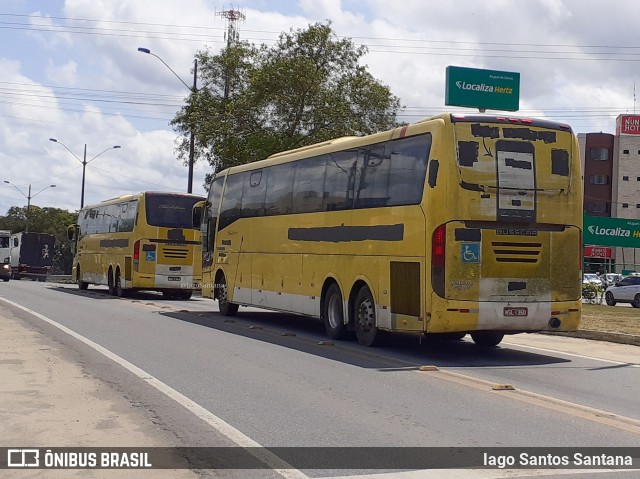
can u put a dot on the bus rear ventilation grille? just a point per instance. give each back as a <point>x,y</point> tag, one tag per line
<point>507,252</point>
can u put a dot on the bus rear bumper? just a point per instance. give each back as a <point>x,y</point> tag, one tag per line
<point>508,316</point>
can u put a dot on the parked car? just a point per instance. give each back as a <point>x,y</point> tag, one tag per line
<point>610,278</point>
<point>627,290</point>
<point>591,278</point>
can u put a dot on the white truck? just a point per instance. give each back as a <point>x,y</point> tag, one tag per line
<point>31,255</point>
<point>5,257</point>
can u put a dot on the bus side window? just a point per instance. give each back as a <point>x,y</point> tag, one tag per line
<point>232,201</point>
<point>308,185</point>
<point>279,189</point>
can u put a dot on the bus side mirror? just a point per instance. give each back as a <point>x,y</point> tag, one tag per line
<point>71,232</point>
<point>196,214</point>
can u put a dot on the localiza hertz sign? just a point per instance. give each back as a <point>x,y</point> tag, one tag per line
<point>611,231</point>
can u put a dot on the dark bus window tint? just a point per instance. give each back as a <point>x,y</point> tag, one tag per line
<point>372,183</point>
<point>215,193</point>
<point>232,199</point>
<point>127,216</point>
<point>254,194</point>
<point>339,180</point>
<point>4,242</point>
<point>409,157</point>
<point>308,185</point>
<point>170,210</point>
<point>279,189</point>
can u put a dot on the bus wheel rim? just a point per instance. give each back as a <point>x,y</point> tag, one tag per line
<point>334,311</point>
<point>366,317</point>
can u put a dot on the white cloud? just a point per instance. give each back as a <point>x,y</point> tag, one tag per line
<point>86,83</point>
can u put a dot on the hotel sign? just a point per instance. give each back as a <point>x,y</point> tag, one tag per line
<point>628,125</point>
<point>605,231</point>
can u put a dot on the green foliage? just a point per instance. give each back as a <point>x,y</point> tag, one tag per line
<point>45,220</point>
<point>257,101</point>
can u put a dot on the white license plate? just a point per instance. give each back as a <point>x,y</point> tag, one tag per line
<point>509,311</point>
<point>175,278</point>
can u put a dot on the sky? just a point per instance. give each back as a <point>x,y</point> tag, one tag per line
<point>70,70</point>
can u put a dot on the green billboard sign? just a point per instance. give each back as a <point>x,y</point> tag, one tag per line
<point>482,89</point>
<point>604,231</point>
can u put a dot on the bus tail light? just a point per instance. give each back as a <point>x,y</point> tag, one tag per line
<point>136,255</point>
<point>438,250</point>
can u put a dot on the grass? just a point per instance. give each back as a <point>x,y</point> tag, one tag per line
<point>613,319</point>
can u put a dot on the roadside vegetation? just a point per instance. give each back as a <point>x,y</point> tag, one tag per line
<point>613,319</point>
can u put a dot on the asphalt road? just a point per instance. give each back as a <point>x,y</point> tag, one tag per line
<point>268,379</point>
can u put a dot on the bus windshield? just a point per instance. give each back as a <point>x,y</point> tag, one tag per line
<point>170,210</point>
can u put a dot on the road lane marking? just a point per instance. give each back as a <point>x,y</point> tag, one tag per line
<point>254,448</point>
<point>581,356</point>
<point>565,407</point>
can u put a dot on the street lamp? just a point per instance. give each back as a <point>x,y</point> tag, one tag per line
<point>193,90</point>
<point>84,162</point>
<point>28,197</point>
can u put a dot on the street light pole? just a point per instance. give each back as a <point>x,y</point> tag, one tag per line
<point>84,162</point>
<point>193,90</point>
<point>28,197</point>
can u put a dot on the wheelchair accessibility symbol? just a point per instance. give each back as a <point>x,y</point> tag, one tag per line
<point>470,253</point>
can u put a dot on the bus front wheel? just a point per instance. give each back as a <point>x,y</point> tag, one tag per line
<point>365,318</point>
<point>332,313</point>
<point>226,308</point>
<point>487,339</point>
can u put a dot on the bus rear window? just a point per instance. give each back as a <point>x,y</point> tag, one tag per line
<point>170,211</point>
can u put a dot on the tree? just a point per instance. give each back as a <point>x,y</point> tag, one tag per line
<point>45,220</point>
<point>256,101</point>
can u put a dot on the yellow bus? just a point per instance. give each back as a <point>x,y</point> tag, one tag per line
<point>456,224</point>
<point>143,241</point>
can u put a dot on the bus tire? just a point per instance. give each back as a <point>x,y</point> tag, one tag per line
<point>364,312</point>
<point>333,313</point>
<point>120,291</point>
<point>184,294</point>
<point>111,283</point>
<point>487,339</point>
<point>82,285</point>
<point>226,308</point>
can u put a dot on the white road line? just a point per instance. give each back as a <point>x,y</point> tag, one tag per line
<point>581,356</point>
<point>224,428</point>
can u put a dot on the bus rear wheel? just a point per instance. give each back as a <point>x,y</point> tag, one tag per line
<point>120,291</point>
<point>333,313</point>
<point>82,285</point>
<point>365,318</point>
<point>111,283</point>
<point>487,339</point>
<point>226,308</point>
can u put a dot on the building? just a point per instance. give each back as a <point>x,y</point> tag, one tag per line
<point>611,169</point>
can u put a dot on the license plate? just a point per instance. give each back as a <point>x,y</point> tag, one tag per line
<point>175,278</point>
<point>508,311</point>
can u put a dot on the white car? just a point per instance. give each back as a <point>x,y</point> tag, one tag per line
<point>591,278</point>
<point>611,278</point>
<point>627,290</point>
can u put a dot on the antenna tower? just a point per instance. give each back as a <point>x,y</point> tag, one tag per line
<point>232,17</point>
